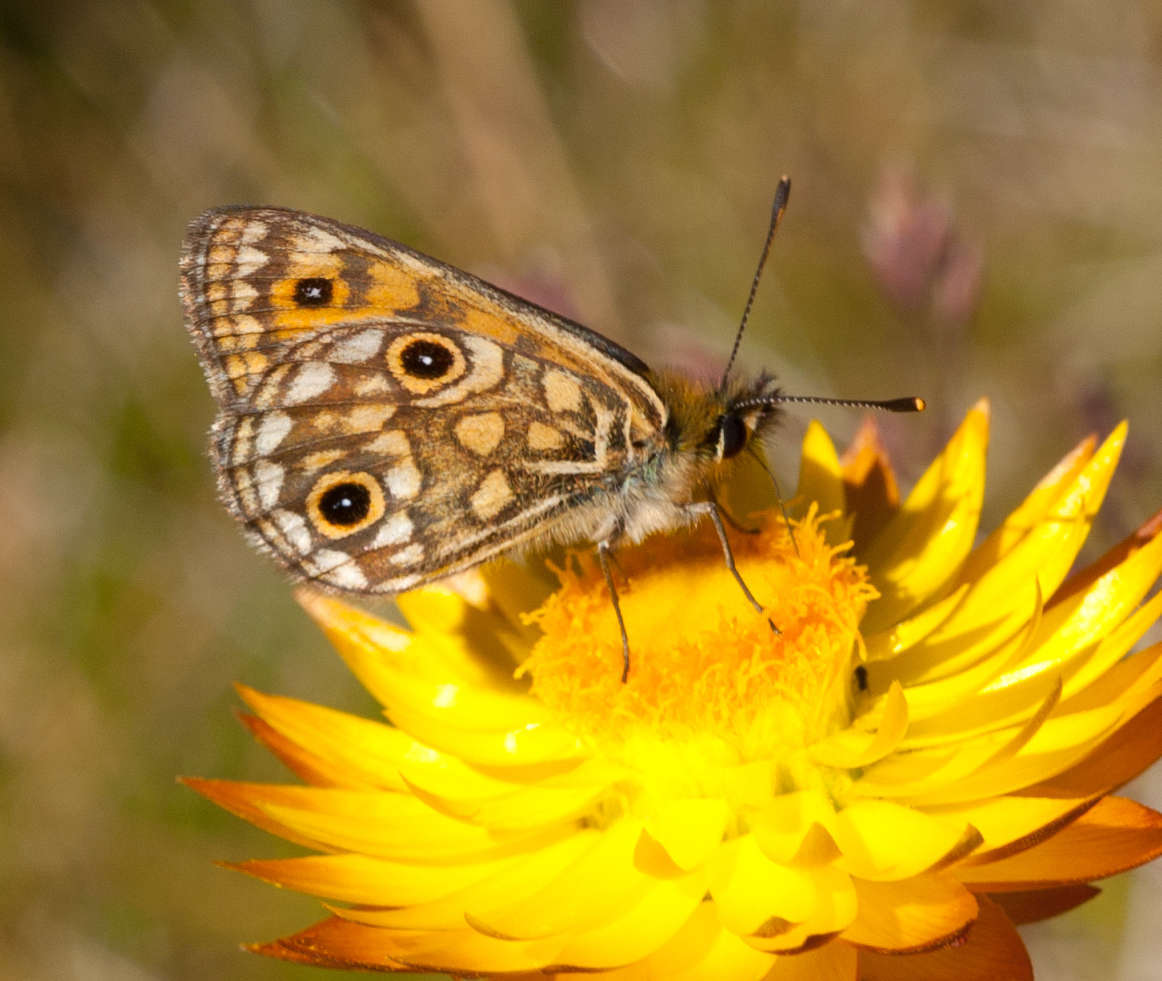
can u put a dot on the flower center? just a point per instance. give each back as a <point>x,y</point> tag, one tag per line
<point>709,677</point>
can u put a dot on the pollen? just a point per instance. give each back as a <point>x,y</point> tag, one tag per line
<point>702,659</point>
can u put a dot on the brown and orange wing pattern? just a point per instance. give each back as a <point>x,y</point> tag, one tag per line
<point>386,419</point>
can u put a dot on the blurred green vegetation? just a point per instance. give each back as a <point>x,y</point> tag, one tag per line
<point>613,160</point>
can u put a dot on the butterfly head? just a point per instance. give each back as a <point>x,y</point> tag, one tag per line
<point>748,412</point>
<point>715,426</point>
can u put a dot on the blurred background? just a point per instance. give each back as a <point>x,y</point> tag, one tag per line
<point>977,212</point>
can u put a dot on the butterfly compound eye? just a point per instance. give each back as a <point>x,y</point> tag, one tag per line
<point>732,436</point>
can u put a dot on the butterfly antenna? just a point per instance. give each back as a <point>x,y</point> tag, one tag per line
<point>909,403</point>
<point>782,195</point>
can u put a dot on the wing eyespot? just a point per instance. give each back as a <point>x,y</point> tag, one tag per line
<point>423,361</point>
<point>313,291</point>
<point>343,503</point>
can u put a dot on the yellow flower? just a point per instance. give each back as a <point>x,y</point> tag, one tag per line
<point>920,758</point>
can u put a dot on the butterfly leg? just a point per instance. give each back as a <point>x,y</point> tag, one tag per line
<point>711,508</point>
<point>604,556</point>
<point>734,523</point>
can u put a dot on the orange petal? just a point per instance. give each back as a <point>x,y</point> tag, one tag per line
<point>303,764</point>
<point>1129,751</point>
<point>342,943</point>
<point>331,943</point>
<point>914,914</point>
<point>992,950</point>
<point>1115,835</point>
<point>834,961</point>
<point>1041,904</point>
<point>869,483</point>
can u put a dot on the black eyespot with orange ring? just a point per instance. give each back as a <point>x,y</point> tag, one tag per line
<point>424,361</point>
<point>343,502</point>
<point>314,291</point>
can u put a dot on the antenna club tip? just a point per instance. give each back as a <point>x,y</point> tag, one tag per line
<point>921,404</point>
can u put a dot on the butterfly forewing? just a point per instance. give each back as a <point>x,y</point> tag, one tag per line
<point>386,419</point>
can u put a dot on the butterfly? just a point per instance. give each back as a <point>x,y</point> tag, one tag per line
<point>386,420</point>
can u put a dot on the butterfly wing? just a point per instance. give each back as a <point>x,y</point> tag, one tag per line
<point>386,419</point>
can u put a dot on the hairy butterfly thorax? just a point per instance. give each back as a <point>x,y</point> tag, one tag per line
<point>386,420</point>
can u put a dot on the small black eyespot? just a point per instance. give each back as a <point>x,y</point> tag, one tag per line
<point>426,359</point>
<point>732,436</point>
<point>345,504</point>
<point>860,678</point>
<point>315,291</point>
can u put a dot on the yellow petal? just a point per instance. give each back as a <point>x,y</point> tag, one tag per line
<point>689,829</point>
<point>378,882</point>
<point>1083,618</point>
<point>919,552</point>
<point>760,898</point>
<point>617,872</point>
<point>783,826</point>
<point>518,875</point>
<point>346,745</point>
<point>820,477</point>
<point>392,826</point>
<point>1001,821</point>
<point>981,768</point>
<point>908,633</point>
<point>1041,543</point>
<point>388,663</point>
<point>700,951</point>
<point>517,809</point>
<point>849,749</point>
<point>883,840</point>
<point>1031,513</point>
<point>532,744</point>
<point>639,930</point>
